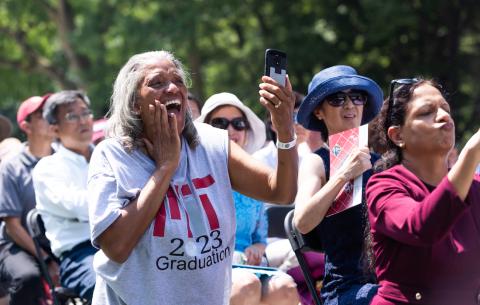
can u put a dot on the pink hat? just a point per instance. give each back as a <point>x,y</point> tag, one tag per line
<point>29,106</point>
<point>99,130</point>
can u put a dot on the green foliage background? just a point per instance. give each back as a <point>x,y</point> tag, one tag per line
<point>49,45</point>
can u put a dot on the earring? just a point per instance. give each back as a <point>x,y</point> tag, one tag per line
<point>401,145</point>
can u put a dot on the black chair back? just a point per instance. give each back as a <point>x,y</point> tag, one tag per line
<point>300,244</point>
<point>276,217</point>
<point>36,229</point>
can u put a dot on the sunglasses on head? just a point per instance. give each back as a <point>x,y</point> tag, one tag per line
<point>398,82</point>
<point>340,98</point>
<point>393,85</point>
<point>237,123</point>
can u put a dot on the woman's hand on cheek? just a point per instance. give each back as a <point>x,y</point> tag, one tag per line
<point>164,143</point>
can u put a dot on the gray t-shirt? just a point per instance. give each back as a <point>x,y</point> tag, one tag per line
<point>185,255</point>
<point>16,189</point>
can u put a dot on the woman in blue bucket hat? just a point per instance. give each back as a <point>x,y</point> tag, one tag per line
<point>338,99</point>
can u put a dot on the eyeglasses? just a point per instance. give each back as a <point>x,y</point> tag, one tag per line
<point>237,123</point>
<point>340,98</point>
<point>393,84</point>
<point>75,118</point>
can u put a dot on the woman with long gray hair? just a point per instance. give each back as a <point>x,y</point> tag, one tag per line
<point>161,208</point>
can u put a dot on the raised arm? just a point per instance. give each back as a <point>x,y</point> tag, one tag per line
<point>121,237</point>
<point>462,172</point>
<point>249,176</point>
<point>311,178</point>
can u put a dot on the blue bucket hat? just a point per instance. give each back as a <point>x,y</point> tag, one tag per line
<point>332,80</point>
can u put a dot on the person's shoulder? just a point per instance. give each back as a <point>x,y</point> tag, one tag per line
<point>54,161</point>
<point>13,161</point>
<point>47,164</point>
<point>396,170</point>
<point>397,176</point>
<point>111,148</point>
<point>312,157</point>
<point>312,162</point>
<point>389,180</point>
<point>48,159</point>
<point>109,144</point>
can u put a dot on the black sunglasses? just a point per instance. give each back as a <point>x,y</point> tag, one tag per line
<point>397,82</point>
<point>393,84</point>
<point>340,98</point>
<point>237,123</point>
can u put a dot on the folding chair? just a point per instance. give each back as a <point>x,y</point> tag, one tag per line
<point>276,217</point>
<point>302,243</point>
<point>36,229</point>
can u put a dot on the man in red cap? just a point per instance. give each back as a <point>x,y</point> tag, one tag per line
<point>18,268</point>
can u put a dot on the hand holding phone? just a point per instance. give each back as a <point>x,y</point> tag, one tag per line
<point>276,65</point>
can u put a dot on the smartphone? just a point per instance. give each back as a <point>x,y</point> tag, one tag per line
<point>276,65</point>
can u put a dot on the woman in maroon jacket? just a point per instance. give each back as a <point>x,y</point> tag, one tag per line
<point>425,217</point>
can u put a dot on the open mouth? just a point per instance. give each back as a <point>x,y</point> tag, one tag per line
<point>173,106</point>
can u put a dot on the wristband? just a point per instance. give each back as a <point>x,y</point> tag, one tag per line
<point>287,145</point>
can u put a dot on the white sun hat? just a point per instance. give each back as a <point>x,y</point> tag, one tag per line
<point>256,134</point>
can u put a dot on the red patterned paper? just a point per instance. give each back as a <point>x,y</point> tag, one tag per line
<point>341,145</point>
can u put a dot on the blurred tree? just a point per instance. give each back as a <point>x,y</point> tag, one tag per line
<point>48,45</point>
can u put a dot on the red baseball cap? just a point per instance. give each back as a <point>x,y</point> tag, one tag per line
<point>29,106</point>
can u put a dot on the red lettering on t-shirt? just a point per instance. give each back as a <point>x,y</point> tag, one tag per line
<point>174,207</point>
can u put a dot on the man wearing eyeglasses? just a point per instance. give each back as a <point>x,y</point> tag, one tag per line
<point>60,182</point>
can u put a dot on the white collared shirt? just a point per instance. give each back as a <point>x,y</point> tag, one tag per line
<point>60,182</point>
